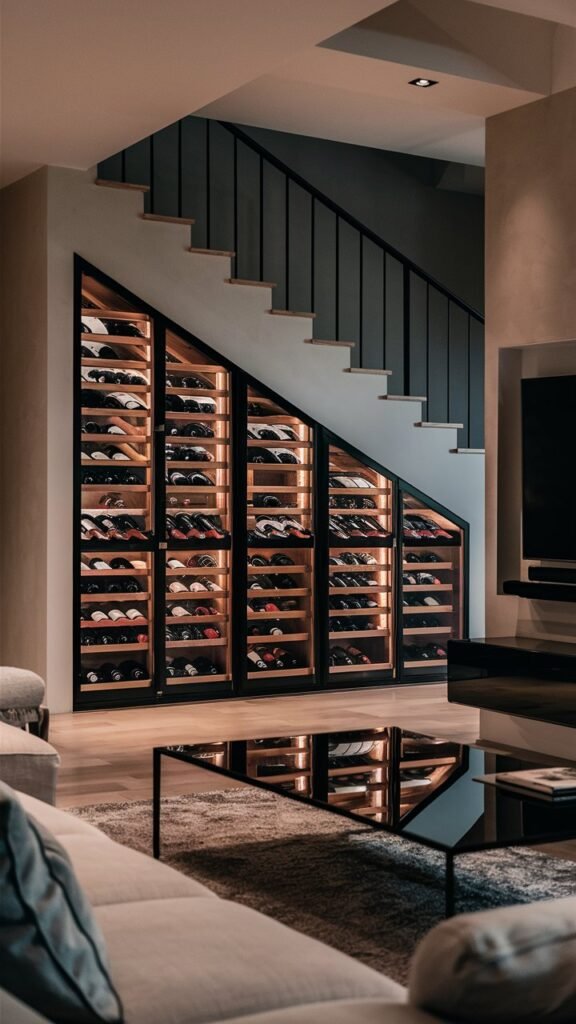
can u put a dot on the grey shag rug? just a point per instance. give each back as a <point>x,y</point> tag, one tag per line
<point>368,894</point>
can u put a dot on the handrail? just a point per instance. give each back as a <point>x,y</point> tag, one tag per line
<point>349,218</point>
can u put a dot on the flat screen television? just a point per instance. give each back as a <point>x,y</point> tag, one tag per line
<point>549,468</point>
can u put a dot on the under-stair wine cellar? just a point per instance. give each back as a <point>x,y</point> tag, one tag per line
<point>229,545</point>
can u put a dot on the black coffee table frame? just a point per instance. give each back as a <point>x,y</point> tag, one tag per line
<point>450,854</point>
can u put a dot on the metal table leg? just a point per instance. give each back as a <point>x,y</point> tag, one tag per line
<point>156,799</point>
<point>450,885</point>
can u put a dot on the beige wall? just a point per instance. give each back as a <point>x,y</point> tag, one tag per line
<point>23,468</point>
<point>530,326</point>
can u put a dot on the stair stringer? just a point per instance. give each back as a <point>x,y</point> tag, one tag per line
<point>104,226</point>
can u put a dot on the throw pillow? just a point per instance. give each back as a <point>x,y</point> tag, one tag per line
<point>52,955</point>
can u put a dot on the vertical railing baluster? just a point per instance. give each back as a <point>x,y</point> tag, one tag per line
<point>406,326</point>
<point>179,161</point>
<point>361,305</point>
<point>427,350</point>
<point>337,288</point>
<point>287,241</point>
<point>261,215</point>
<point>448,388</point>
<point>123,165</point>
<point>235,204</point>
<point>469,388</point>
<point>384,309</point>
<point>312,255</point>
<point>208,204</point>
<point>152,189</point>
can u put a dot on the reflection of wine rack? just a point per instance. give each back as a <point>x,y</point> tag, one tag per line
<point>285,762</point>
<point>432,604</point>
<point>198,517</point>
<point>425,764</point>
<point>280,542</point>
<point>358,772</point>
<point>360,624</point>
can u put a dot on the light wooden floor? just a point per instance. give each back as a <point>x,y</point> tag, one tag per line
<point>106,755</point>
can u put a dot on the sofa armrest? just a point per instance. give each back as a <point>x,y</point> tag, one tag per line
<point>12,1011</point>
<point>28,764</point>
<point>513,965</point>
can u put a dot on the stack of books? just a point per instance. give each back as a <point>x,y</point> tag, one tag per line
<point>553,783</point>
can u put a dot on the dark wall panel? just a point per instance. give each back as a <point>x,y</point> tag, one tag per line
<point>458,365</point>
<point>324,273</point>
<point>371,351</point>
<point>418,337</point>
<point>193,162</point>
<point>300,250</point>
<point>349,284</point>
<point>438,357</point>
<point>248,214</point>
<point>274,241</point>
<point>165,178</point>
<point>221,223</point>
<point>395,325</point>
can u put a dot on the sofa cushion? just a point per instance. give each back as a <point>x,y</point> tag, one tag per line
<point>59,823</point>
<point>356,1011</point>
<point>514,965</point>
<point>110,873</point>
<point>186,961</point>
<point>27,763</point>
<point>52,954</point>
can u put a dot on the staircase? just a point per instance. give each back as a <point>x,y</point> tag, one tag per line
<point>109,227</point>
<point>278,232</point>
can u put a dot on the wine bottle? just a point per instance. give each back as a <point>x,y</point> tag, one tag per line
<point>132,670</point>
<point>255,661</point>
<point>98,350</point>
<point>112,672</point>
<point>97,615</point>
<point>177,587</point>
<point>177,479</point>
<point>93,675</point>
<point>134,613</point>
<point>121,400</point>
<point>99,563</point>
<point>132,585</point>
<point>112,452</point>
<point>185,667</point>
<point>116,615</point>
<point>179,611</point>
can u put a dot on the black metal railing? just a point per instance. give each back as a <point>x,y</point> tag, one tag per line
<point>322,259</point>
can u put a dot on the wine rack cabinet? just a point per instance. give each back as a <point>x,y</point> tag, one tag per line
<point>229,545</point>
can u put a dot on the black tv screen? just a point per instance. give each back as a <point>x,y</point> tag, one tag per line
<point>548,472</point>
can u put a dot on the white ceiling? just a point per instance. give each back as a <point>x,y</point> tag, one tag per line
<point>488,57</point>
<point>82,79</point>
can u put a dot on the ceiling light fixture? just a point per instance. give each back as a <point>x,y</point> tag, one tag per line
<point>423,83</point>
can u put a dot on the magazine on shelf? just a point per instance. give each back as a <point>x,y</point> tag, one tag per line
<point>552,783</point>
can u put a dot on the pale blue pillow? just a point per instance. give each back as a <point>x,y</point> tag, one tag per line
<point>52,954</point>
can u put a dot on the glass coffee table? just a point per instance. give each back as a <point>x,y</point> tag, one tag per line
<point>421,788</point>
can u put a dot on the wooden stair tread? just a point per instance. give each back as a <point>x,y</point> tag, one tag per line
<point>167,219</point>
<point>253,284</point>
<point>290,312</point>
<point>211,252</point>
<point>441,426</point>
<point>130,186</point>
<point>362,369</point>
<point>334,344</point>
<point>402,398</point>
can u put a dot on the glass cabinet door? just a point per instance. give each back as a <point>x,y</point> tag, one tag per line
<point>280,551</point>
<point>198,518</point>
<point>115,514</point>
<point>432,587</point>
<point>360,569</point>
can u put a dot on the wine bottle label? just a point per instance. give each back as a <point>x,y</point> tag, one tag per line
<point>175,563</point>
<point>176,587</point>
<point>179,611</point>
<point>115,614</point>
<point>196,586</point>
<point>99,455</point>
<point>133,613</point>
<point>120,457</point>
<point>98,616</point>
<point>98,563</point>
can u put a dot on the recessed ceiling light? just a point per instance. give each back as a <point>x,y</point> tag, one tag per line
<point>423,83</point>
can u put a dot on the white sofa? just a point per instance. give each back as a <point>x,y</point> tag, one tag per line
<point>181,955</point>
